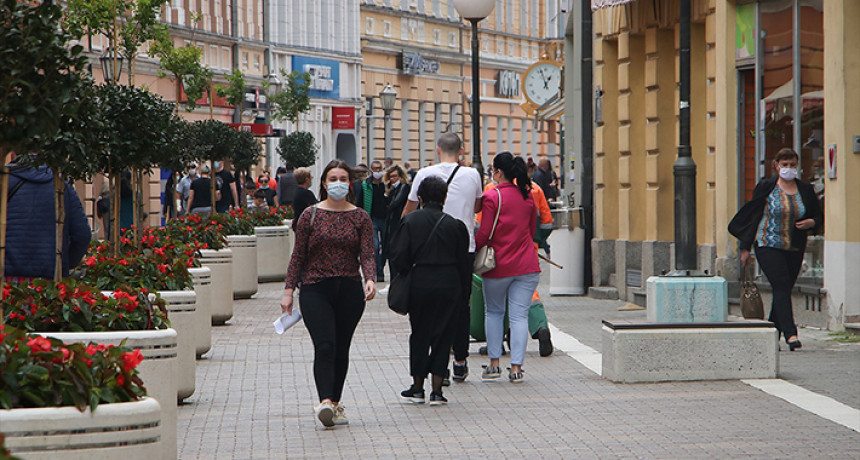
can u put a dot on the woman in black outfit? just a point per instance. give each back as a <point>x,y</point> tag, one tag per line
<point>440,258</point>
<point>777,219</point>
<point>397,190</point>
<point>304,197</point>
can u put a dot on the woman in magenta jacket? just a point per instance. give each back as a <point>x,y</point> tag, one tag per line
<point>517,271</point>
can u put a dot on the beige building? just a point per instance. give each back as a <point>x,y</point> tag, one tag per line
<point>422,48</point>
<point>749,98</point>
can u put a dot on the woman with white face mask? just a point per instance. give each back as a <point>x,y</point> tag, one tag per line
<point>334,247</point>
<point>777,219</point>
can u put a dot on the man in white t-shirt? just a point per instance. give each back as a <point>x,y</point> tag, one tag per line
<point>462,202</point>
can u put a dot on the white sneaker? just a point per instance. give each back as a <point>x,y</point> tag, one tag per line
<point>384,290</point>
<point>325,413</point>
<point>339,415</point>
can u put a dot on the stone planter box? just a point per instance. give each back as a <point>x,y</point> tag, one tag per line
<point>220,262</point>
<point>128,431</point>
<point>158,372</point>
<point>274,249</point>
<point>244,249</point>
<point>182,311</point>
<point>203,314</point>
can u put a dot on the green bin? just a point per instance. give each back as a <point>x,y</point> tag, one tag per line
<point>476,307</point>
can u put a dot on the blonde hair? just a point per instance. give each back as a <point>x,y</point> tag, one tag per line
<point>403,177</point>
<point>302,174</point>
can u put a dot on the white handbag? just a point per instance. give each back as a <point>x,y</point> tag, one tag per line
<point>485,258</point>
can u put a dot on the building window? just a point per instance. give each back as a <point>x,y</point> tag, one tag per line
<point>257,62</point>
<point>368,26</point>
<point>437,37</point>
<point>452,39</point>
<point>386,29</point>
<point>245,60</point>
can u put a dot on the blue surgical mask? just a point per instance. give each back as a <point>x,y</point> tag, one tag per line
<point>217,164</point>
<point>337,190</point>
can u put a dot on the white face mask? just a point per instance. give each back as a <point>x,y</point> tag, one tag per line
<point>377,175</point>
<point>337,190</point>
<point>788,173</point>
<point>192,172</point>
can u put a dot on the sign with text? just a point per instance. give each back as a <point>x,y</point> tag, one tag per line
<point>508,84</point>
<point>259,129</point>
<point>320,77</point>
<point>325,76</point>
<point>414,64</point>
<point>342,118</point>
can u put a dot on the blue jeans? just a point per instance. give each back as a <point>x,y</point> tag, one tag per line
<point>517,291</point>
<point>379,230</point>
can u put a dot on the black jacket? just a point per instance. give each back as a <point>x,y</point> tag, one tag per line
<point>396,202</point>
<point>744,224</point>
<point>449,245</point>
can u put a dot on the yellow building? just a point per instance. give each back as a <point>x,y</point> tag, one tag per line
<point>422,48</point>
<point>749,98</point>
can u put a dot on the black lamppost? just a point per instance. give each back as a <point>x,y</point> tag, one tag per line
<point>388,96</point>
<point>685,167</point>
<point>475,11</point>
<point>111,65</point>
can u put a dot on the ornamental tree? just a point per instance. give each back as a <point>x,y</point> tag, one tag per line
<point>217,141</point>
<point>298,149</point>
<point>293,99</point>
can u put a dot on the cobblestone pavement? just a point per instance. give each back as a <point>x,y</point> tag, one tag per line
<point>255,394</point>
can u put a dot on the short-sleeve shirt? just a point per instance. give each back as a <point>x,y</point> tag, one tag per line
<point>462,193</point>
<point>226,193</point>
<point>202,192</point>
<point>781,211</point>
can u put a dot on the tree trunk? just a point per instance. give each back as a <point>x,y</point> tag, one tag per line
<point>4,187</point>
<point>116,185</point>
<point>212,185</point>
<point>134,205</point>
<point>141,222</point>
<point>60,212</point>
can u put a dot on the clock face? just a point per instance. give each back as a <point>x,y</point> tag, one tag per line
<point>542,82</point>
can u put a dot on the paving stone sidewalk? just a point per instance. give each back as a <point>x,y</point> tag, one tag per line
<point>255,394</point>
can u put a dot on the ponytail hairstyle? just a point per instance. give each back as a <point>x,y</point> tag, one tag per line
<point>514,169</point>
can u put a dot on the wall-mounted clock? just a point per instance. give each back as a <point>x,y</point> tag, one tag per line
<point>542,81</point>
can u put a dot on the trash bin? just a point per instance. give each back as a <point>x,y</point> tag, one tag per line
<point>476,308</point>
<point>568,250</point>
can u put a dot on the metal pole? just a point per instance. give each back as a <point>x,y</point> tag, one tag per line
<point>476,100</point>
<point>685,167</point>
<point>387,137</point>
<point>368,122</point>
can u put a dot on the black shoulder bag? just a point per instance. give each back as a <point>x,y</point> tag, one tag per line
<point>401,283</point>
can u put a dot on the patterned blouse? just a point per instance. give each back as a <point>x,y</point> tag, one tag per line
<point>334,247</point>
<point>781,212</point>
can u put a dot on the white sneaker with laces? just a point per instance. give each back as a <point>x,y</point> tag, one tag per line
<point>339,415</point>
<point>325,413</point>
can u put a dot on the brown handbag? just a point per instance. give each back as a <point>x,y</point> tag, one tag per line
<point>752,306</point>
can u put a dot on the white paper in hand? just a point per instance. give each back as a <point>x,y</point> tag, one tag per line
<point>287,321</point>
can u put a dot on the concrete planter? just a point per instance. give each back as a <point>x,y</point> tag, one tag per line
<point>130,431</point>
<point>274,248</point>
<point>244,249</point>
<point>182,311</point>
<point>158,371</point>
<point>203,314</point>
<point>220,262</point>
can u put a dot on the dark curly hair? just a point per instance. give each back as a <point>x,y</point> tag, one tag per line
<point>433,190</point>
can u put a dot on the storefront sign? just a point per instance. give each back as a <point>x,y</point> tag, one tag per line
<point>259,129</point>
<point>414,64</point>
<point>320,77</point>
<point>508,84</point>
<point>342,118</point>
<point>255,99</point>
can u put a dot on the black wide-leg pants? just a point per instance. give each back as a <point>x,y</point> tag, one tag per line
<point>434,300</point>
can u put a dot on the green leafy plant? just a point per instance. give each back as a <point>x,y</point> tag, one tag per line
<point>246,152</point>
<point>43,372</point>
<point>72,306</point>
<point>185,64</point>
<point>271,217</point>
<point>235,89</point>
<point>293,99</point>
<point>157,266</point>
<point>298,149</point>
<point>199,228</point>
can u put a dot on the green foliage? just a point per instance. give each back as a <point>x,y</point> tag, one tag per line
<point>138,127</point>
<point>44,372</point>
<point>235,90</point>
<point>246,151</point>
<point>72,306</point>
<point>298,149</point>
<point>37,81</point>
<point>272,217</point>
<point>154,267</point>
<point>203,229</point>
<point>293,99</point>
<point>182,148</point>
<point>184,63</point>
<point>216,140</point>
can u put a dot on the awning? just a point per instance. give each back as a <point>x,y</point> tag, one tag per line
<point>551,109</point>
<point>598,4</point>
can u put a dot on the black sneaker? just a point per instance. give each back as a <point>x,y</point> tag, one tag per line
<point>414,396</point>
<point>446,382</point>
<point>461,371</point>
<point>436,399</point>
<point>380,278</point>
<point>545,344</point>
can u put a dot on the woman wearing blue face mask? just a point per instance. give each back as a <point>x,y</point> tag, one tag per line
<point>334,247</point>
<point>777,219</point>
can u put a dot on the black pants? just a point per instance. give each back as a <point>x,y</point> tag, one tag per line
<point>781,268</point>
<point>462,315</point>
<point>331,310</point>
<point>432,308</point>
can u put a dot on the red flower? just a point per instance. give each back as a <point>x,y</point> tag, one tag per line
<point>7,290</point>
<point>64,359</point>
<point>122,262</point>
<point>33,308</point>
<point>131,360</point>
<point>120,380</point>
<point>62,288</point>
<point>91,261</point>
<point>39,343</point>
<point>162,268</point>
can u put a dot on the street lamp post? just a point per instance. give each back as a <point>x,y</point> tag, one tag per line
<point>388,96</point>
<point>274,84</point>
<point>111,65</point>
<point>475,11</point>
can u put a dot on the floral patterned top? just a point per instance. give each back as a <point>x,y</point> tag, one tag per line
<point>780,213</point>
<point>334,247</point>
